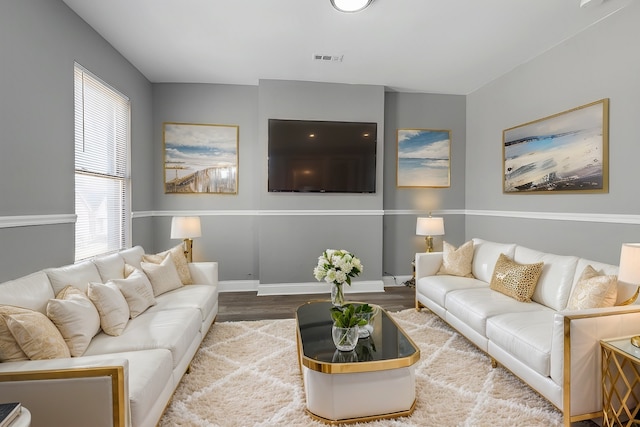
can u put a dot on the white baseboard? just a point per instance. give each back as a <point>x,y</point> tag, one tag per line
<point>238,285</point>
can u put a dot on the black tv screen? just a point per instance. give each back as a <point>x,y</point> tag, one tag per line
<point>322,156</point>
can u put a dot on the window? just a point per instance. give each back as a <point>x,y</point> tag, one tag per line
<point>102,182</point>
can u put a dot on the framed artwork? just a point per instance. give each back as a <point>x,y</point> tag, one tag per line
<point>424,158</point>
<point>567,152</point>
<point>200,158</point>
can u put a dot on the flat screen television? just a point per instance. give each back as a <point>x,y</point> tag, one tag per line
<point>322,156</point>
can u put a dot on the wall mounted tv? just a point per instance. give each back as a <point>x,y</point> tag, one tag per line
<point>322,156</point>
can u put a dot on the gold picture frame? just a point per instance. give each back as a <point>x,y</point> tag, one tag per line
<point>423,158</point>
<point>567,152</point>
<point>200,158</point>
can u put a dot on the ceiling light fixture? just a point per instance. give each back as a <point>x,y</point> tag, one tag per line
<point>350,5</point>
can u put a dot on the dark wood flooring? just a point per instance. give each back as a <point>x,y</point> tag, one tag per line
<point>235,306</point>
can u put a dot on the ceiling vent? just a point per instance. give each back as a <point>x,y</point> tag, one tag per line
<point>327,58</point>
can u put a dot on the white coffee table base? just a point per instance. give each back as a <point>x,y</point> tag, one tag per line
<point>362,396</point>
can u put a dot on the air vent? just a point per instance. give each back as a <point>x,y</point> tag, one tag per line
<point>327,58</point>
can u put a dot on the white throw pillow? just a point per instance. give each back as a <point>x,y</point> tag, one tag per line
<point>457,262</point>
<point>37,336</point>
<point>179,259</point>
<point>137,290</point>
<point>10,350</point>
<point>163,277</point>
<point>593,290</point>
<point>76,318</point>
<point>113,308</point>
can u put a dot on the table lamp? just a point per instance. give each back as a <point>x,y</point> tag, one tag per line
<point>430,226</point>
<point>186,227</point>
<point>629,272</point>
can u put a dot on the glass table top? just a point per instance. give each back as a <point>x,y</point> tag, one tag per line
<point>388,346</point>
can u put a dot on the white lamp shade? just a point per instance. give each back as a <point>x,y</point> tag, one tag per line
<point>350,5</point>
<point>431,226</point>
<point>630,264</point>
<point>185,227</point>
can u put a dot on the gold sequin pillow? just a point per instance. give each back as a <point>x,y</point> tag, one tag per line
<point>457,262</point>
<point>515,280</point>
<point>593,290</point>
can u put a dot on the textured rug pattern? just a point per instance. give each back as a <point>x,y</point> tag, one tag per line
<point>247,374</point>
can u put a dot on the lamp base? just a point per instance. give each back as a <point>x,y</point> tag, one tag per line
<point>636,341</point>
<point>188,252</point>
<point>429,241</point>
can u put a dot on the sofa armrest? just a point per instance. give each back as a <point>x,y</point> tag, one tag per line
<point>427,263</point>
<point>576,355</point>
<point>204,273</point>
<point>61,392</point>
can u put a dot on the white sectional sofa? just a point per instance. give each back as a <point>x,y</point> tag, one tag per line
<point>124,380</point>
<point>554,350</point>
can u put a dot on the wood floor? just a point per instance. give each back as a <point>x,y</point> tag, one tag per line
<point>235,306</point>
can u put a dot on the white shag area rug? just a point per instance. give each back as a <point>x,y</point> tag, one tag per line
<point>247,374</point>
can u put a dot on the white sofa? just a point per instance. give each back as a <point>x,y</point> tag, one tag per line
<point>554,350</point>
<point>124,380</point>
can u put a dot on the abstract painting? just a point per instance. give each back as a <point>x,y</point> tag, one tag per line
<point>200,158</point>
<point>563,153</point>
<point>424,158</point>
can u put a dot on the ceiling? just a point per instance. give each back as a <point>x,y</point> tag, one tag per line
<point>434,46</point>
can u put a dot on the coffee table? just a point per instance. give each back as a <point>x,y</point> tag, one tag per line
<point>374,381</point>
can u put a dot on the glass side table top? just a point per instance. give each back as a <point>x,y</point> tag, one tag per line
<point>624,345</point>
<point>388,347</point>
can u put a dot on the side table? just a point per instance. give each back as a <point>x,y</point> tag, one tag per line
<point>620,382</point>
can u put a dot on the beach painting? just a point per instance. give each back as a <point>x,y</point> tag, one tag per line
<point>200,158</point>
<point>563,153</point>
<point>424,158</point>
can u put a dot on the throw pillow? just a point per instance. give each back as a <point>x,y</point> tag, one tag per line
<point>180,261</point>
<point>113,308</point>
<point>457,262</point>
<point>75,316</point>
<point>10,351</point>
<point>163,277</point>
<point>137,290</point>
<point>593,290</point>
<point>515,280</point>
<point>37,336</point>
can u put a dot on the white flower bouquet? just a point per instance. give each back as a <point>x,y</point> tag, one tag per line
<point>337,267</point>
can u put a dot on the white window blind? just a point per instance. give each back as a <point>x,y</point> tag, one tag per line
<point>102,181</point>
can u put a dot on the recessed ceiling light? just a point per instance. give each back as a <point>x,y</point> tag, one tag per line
<point>350,5</point>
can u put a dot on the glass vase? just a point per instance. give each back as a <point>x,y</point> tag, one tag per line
<point>345,339</point>
<point>337,295</point>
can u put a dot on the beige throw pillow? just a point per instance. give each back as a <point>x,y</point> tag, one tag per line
<point>457,262</point>
<point>515,280</point>
<point>179,260</point>
<point>137,290</point>
<point>163,277</point>
<point>10,351</point>
<point>113,308</point>
<point>37,336</point>
<point>75,316</point>
<point>593,290</point>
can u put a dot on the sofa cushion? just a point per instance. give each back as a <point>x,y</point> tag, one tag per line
<point>555,282</point>
<point>132,256</point>
<point>515,280</point>
<point>436,288</point>
<point>10,350</point>
<point>36,335</point>
<point>32,292</point>
<point>474,306</point>
<point>137,291</point>
<point>112,306</point>
<point>76,318</point>
<point>110,267</point>
<point>457,262</point>
<point>163,277</point>
<point>526,336</point>
<point>485,255</point>
<point>593,290</point>
<point>200,297</point>
<point>77,275</point>
<point>174,330</point>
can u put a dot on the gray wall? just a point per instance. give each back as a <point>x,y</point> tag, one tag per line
<point>403,205</point>
<point>39,42</point>
<point>601,62</point>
